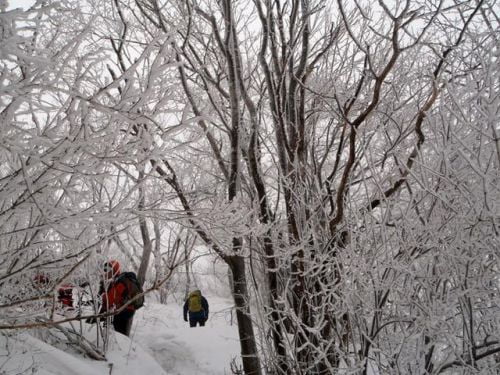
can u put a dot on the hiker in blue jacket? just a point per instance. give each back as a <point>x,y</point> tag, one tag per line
<point>197,306</point>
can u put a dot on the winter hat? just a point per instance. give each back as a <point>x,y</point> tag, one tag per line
<point>112,265</point>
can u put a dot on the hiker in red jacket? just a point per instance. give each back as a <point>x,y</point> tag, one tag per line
<point>65,296</point>
<point>114,295</point>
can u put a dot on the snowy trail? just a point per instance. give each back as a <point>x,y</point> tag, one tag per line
<point>181,350</point>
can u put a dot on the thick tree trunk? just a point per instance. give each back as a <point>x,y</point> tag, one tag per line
<point>147,248</point>
<point>250,359</point>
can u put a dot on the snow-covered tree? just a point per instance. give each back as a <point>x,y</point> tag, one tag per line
<point>342,158</point>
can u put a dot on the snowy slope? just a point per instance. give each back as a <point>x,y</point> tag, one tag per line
<point>25,354</point>
<point>161,343</point>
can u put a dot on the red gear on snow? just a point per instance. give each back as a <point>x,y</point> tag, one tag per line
<point>65,295</point>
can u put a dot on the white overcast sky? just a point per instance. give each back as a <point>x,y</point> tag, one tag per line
<point>20,3</point>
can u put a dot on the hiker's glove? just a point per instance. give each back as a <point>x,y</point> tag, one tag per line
<point>185,319</point>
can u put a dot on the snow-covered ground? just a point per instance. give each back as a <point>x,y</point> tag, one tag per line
<point>161,343</point>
